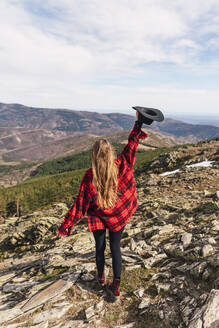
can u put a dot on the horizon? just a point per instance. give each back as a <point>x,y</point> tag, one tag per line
<point>109,111</point>
<point>203,119</point>
<point>112,56</point>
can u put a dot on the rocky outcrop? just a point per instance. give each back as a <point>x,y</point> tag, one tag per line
<point>170,262</point>
<point>182,157</point>
<point>28,232</point>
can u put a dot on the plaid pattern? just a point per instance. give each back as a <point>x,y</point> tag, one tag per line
<point>126,204</point>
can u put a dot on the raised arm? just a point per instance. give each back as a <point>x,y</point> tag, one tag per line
<point>128,153</point>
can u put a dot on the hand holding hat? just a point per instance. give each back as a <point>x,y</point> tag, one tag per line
<point>147,115</point>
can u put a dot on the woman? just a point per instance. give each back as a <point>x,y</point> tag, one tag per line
<point>108,196</point>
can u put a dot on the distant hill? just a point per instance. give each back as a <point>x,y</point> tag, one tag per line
<point>85,122</point>
<point>65,151</point>
<point>67,121</point>
<point>193,132</point>
<point>42,145</point>
<point>39,134</point>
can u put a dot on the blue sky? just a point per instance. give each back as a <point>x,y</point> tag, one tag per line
<point>108,56</point>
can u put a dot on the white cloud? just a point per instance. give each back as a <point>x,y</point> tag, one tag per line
<point>55,53</point>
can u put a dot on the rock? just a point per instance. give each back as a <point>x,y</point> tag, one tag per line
<point>166,229</point>
<point>212,241</point>
<point>128,259</point>
<point>206,274</point>
<point>144,303</point>
<point>99,306</point>
<point>215,225</point>
<point>160,276</point>
<point>71,324</point>
<point>217,194</point>
<point>132,267</point>
<point>196,324</point>
<point>50,315</point>
<point>9,314</point>
<point>129,325</point>
<point>60,304</point>
<point>89,312</point>
<point>208,315</point>
<point>87,277</point>
<point>148,263</point>
<point>216,283</point>
<point>8,288</point>
<point>50,292</point>
<point>88,267</point>
<point>71,276</point>
<point>211,313</point>
<point>132,245</point>
<point>143,245</point>
<point>139,292</point>
<point>58,210</point>
<point>162,287</point>
<point>187,307</point>
<point>161,314</point>
<point>41,325</point>
<point>186,239</point>
<point>16,325</point>
<point>207,250</point>
<point>4,278</point>
<point>198,269</point>
<point>131,232</point>
<point>18,279</point>
<point>174,250</point>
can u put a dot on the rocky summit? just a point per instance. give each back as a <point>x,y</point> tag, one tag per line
<point>170,255</point>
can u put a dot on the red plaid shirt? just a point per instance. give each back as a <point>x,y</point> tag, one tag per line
<point>126,204</point>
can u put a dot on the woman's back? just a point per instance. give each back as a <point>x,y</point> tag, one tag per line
<point>113,218</point>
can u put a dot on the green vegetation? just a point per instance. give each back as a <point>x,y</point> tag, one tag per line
<point>58,181</point>
<point>37,193</point>
<point>10,168</point>
<point>64,164</point>
<point>206,208</point>
<point>73,162</point>
<point>143,157</point>
<point>82,160</point>
<point>54,274</point>
<point>207,141</point>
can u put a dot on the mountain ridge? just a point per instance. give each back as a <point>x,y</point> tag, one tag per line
<point>37,134</point>
<point>69,121</point>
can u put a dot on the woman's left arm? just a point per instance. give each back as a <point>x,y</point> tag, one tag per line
<point>77,210</point>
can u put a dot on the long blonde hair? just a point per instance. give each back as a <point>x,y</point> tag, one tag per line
<point>105,173</point>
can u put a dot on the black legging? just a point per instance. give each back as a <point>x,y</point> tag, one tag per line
<point>114,237</point>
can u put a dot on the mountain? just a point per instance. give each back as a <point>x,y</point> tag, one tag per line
<point>206,119</point>
<point>42,145</point>
<point>169,250</point>
<point>74,122</point>
<point>34,135</point>
<point>190,132</point>
<point>70,152</point>
<point>67,121</point>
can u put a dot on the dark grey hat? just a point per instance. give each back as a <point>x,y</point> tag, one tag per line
<point>148,115</point>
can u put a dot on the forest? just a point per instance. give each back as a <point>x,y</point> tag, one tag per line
<point>58,180</point>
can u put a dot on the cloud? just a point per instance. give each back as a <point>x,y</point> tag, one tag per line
<point>77,52</point>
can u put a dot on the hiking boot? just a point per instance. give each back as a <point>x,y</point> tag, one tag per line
<point>101,278</point>
<point>113,289</point>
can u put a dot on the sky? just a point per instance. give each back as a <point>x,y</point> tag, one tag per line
<point>108,56</point>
